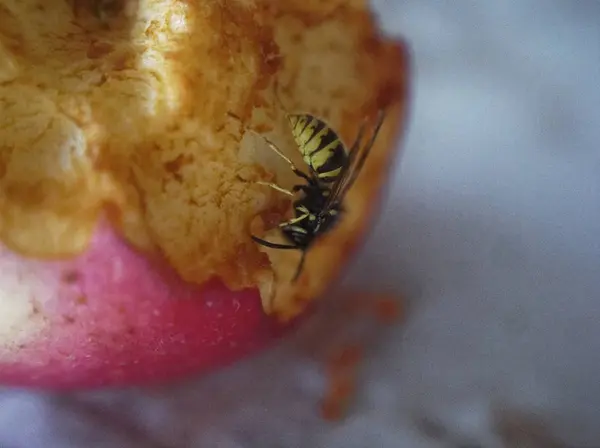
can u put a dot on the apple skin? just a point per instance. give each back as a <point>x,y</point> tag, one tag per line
<point>112,317</point>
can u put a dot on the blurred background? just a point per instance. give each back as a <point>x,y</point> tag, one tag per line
<point>492,233</point>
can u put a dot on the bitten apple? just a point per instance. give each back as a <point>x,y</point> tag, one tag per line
<point>128,194</point>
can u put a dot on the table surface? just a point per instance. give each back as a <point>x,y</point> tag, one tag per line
<point>491,230</point>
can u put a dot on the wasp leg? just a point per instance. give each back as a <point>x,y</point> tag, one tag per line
<point>275,149</point>
<point>276,187</point>
<point>293,167</point>
<point>268,184</point>
<point>299,268</point>
<point>272,245</point>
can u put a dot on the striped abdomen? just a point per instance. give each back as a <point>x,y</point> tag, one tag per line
<point>321,148</point>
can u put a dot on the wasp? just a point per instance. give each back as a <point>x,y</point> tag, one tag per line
<point>332,170</point>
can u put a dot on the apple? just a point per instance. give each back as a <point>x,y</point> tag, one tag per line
<point>128,193</point>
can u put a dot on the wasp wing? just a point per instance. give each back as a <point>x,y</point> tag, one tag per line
<point>357,156</point>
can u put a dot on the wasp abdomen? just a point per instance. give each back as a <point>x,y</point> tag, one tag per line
<point>321,148</point>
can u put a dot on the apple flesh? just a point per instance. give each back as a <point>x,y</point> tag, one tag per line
<point>113,317</point>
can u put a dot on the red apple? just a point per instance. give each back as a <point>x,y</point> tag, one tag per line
<point>125,220</point>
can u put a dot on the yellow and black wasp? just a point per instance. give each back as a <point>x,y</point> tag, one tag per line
<point>333,168</point>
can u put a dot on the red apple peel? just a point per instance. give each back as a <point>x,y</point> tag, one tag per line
<point>111,316</point>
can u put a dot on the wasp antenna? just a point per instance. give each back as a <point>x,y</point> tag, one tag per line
<point>272,245</point>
